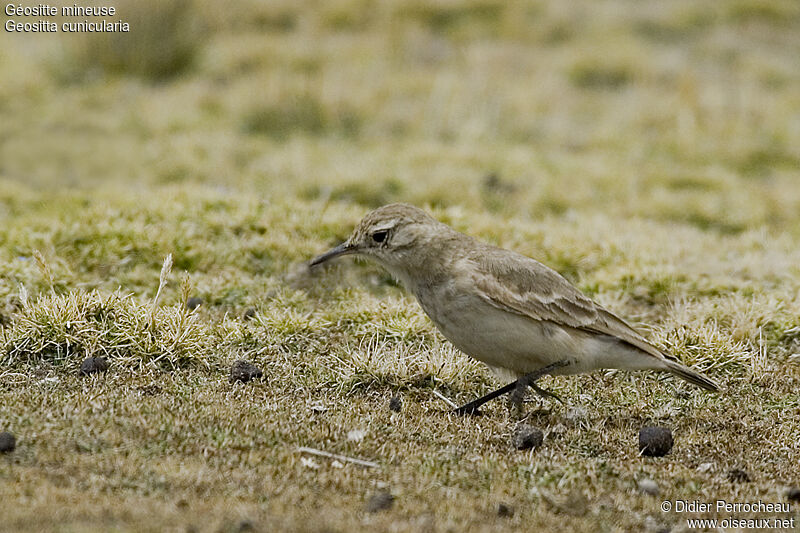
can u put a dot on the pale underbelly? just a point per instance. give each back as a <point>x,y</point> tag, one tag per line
<point>521,345</point>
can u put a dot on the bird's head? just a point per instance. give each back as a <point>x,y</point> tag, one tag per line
<point>390,235</point>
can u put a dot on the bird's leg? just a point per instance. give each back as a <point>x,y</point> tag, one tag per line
<point>529,380</point>
<point>471,408</point>
<point>519,387</point>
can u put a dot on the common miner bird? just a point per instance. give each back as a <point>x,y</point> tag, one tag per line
<point>518,316</point>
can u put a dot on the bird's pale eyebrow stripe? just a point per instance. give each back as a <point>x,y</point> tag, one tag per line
<point>383,227</point>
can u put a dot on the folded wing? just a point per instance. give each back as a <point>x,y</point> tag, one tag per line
<point>519,284</point>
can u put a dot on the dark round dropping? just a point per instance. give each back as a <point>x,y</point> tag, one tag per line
<point>8,442</point>
<point>93,365</point>
<point>655,441</point>
<point>504,510</point>
<point>244,372</point>
<point>380,501</point>
<point>526,437</point>
<point>245,525</point>
<point>194,302</point>
<point>395,404</point>
<point>738,475</point>
<point>793,494</point>
<point>249,314</point>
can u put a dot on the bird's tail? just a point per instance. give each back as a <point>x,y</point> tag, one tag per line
<point>691,376</point>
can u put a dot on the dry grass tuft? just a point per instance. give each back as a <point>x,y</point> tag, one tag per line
<point>64,329</point>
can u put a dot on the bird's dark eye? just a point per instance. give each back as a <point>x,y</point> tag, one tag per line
<point>380,236</point>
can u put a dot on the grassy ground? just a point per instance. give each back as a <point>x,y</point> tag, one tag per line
<point>648,151</point>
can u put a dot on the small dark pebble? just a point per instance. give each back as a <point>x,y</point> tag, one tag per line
<point>526,437</point>
<point>737,475</point>
<point>93,365</point>
<point>7,442</point>
<point>249,314</point>
<point>395,404</point>
<point>380,501</point>
<point>245,525</point>
<point>504,510</point>
<point>655,441</point>
<point>244,372</point>
<point>494,183</point>
<point>194,302</point>
<point>793,494</point>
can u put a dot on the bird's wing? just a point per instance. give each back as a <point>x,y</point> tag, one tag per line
<point>519,284</point>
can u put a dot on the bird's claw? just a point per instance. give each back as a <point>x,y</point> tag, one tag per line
<point>545,393</point>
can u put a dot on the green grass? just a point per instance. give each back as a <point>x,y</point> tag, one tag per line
<point>648,151</point>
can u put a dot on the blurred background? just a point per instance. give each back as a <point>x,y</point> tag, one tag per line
<point>679,111</point>
<point>647,150</point>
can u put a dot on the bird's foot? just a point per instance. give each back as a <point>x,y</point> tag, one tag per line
<point>545,393</point>
<point>516,388</point>
<point>517,395</point>
<point>529,380</point>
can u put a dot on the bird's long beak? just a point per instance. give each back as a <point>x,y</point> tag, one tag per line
<point>342,249</point>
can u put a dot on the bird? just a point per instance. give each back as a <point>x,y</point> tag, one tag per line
<point>521,318</point>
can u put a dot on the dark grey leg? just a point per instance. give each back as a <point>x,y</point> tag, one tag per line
<point>471,408</point>
<point>518,387</point>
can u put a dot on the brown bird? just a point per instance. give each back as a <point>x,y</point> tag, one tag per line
<point>520,317</point>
